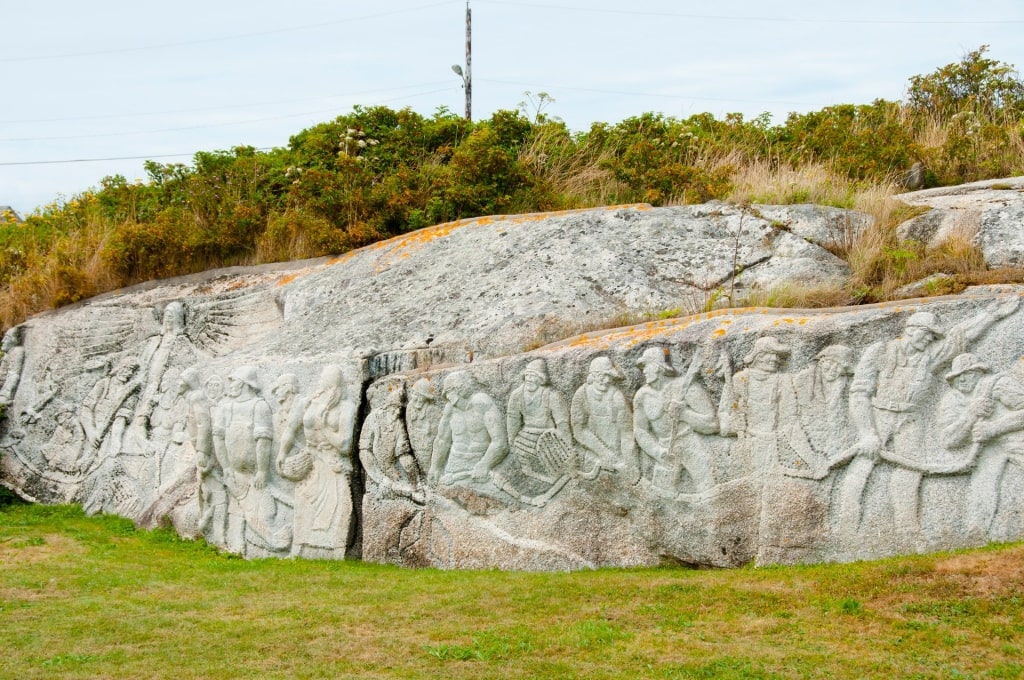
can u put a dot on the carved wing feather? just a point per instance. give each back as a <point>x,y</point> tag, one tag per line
<point>222,324</point>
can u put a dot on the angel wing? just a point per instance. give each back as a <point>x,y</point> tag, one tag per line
<point>222,324</point>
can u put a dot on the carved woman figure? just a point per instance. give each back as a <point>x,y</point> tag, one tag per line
<point>322,468</point>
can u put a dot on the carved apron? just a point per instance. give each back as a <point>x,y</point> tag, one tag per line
<point>250,509</point>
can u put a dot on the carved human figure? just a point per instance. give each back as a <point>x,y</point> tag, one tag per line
<point>171,348</point>
<point>601,420</point>
<point>384,447</point>
<point>109,407</point>
<point>284,391</point>
<point>11,366</point>
<point>757,405</point>
<point>986,413</point>
<point>890,385</point>
<point>421,417</point>
<point>471,439</point>
<point>46,390</point>
<point>669,417</point>
<point>166,436</point>
<point>537,422</point>
<point>212,494</point>
<point>823,403</point>
<point>322,468</point>
<point>242,427</point>
<point>65,447</point>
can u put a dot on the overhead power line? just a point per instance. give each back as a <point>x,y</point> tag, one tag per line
<point>207,125</point>
<point>204,109</point>
<point>237,36</point>
<point>113,158</point>
<point>720,17</point>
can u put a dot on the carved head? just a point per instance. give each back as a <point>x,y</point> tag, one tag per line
<point>602,372</point>
<point>241,378</point>
<point>12,339</point>
<point>967,371</point>
<point>331,377</point>
<point>286,385</point>
<point>174,318</point>
<point>188,380</point>
<point>767,354</point>
<point>834,361</point>
<point>654,364</point>
<point>394,397</point>
<point>922,330</point>
<point>214,388</point>
<point>457,385</point>
<point>422,392</point>
<point>125,369</point>
<point>536,374</point>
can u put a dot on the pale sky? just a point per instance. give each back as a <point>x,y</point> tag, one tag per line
<point>125,79</point>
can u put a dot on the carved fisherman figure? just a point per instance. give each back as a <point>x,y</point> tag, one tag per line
<point>471,438</point>
<point>421,416</point>
<point>538,426</point>
<point>669,415</point>
<point>757,405</point>
<point>384,446</point>
<point>212,494</point>
<point>985,412</point>
<point>601,421</point>
<point>891,384</point>
<point>242,440</point>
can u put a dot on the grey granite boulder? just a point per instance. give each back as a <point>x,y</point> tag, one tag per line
<point>382,405</point>
<point>990,214</point>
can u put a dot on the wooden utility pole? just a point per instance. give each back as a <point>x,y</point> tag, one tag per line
<point>468,79</point>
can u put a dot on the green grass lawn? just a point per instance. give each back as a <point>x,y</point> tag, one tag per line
<point>92,597</point>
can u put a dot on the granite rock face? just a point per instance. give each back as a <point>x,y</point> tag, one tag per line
<point>989,213</point>
<point>382,405</point>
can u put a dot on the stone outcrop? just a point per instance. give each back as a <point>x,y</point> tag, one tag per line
<point>383,405</point>
<point>989,214</point>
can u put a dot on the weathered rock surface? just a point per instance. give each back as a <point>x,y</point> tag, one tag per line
<point>381,405</point>
<point>989,213</point>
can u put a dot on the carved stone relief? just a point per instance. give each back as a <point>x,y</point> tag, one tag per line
<point>833,443</point>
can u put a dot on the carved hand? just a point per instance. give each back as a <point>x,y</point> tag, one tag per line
<point>480,471</point>
<point>982,432</point>
<point>869,446</point>
<point>982,408</point>
<point>259,482</point>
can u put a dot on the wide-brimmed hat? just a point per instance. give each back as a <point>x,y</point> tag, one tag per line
<point>925,320</point>
<point>423,388</point>
<point>247,375</point>
<point>841,354</point>
<point>655,356</point>
<point>766,344</point>
<point>964,363</point>
<point>539,368</point>
<point>605,365</point>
